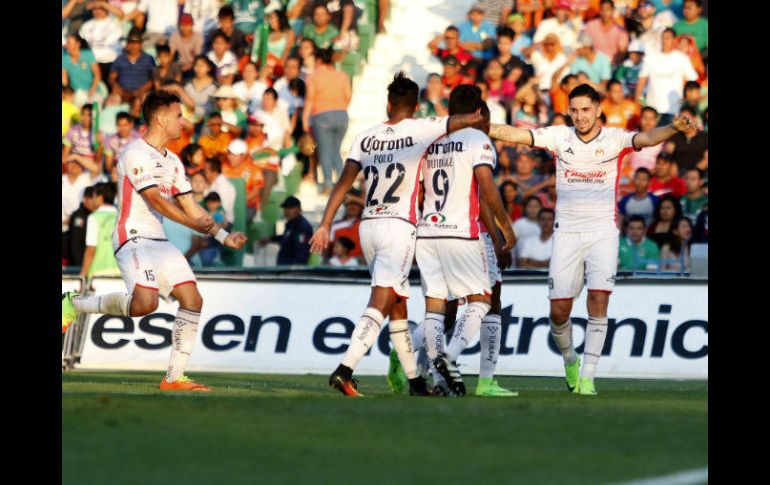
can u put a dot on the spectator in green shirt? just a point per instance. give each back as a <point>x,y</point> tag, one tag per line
<point>695,199</point>
<point>98,258</point>
<point>694,24</point>
<point>635,251</point>
<point>321,31</point>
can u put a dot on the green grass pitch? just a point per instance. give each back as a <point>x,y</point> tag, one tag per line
<point>118,428</point>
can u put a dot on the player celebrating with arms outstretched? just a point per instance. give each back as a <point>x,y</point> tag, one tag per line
<point>150,177</point>
<point>390,154</point>
<point>585,232</point>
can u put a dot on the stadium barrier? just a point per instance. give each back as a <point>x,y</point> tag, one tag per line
<point>300,320</point>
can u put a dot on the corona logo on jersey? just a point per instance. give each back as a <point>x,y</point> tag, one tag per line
<point>371,144</point>
<point>443,148</point>
<point>595,177</point>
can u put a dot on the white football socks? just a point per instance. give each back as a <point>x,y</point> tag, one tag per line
<point>490,345</point>
<point>434,334</point>
<point>402,342</point>
<point>562,335</point>
<point>418,336</point>
<point>466,328</point>
<point>182,341</point>
<point>364,335</point>
<point>111,304</point>
<point>596,332</point>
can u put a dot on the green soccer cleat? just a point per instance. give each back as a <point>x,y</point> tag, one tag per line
<point>488,387</point>
<point>585,387</point>
<point>396,377</point>
<point>68,312</point>
<point>572,374</point>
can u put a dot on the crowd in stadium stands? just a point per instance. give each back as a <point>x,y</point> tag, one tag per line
<point>262,117</point>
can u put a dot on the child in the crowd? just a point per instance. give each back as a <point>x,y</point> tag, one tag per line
<point>340,250</point>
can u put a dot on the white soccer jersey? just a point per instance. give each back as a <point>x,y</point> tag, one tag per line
<point>451,206</point>
<point>141,166</point>
<point>390,156</point>
<point>586,175</point>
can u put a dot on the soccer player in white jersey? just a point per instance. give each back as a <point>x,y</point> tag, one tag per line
<point>451,256</point>
<point>390,155</point>
<point>150,178</point>
<point>585,232</point>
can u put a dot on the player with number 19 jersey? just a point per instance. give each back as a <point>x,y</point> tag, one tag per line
<point>391,158</point>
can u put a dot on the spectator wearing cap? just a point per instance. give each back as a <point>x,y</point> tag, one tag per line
<point>218,183</point>
<point>233,119</point>
<point>166,71</point>
<point>239,165</point>
<point>452,47</point>
<point>664,74</point>
<point>628,72</point>
<point>223,58</point>
<point>476,34</point>
<point>295,240</point>
<point>215,141</point>
<point>522,41</point>
<point>547,59</point>
<point>159,17</point>
<point>321,31</point>
<point>666,180</point>
<point>620,112</point>
<point>452,75</point>
<point>432,99</point>
<point>103,33</point>
<point>235,36</point>
<point>187,44</point>
<point>694,24</point>
<point>608,37</point>
<point>587,59</point>
<point>131,73</point>
<point>201,88</point>
<point>80,71</point>
<point>264,152</point>
<point>689,147</point>
<point>564,27</point>
<point>114,144</point>
<point>325,112</point>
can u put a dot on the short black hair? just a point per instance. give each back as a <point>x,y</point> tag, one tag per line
<point>298,85</point>
<point>669,29</point>
<point>324,55</point>
<point>452,28</point>
<point>545,210</point>
<point>215,164</point>
<point>484,110</point>
<point>691,85</point>
<point>585,90</point>
<point>403,92</point>
<point>649,108</point>
<point>464,99</point>
<point>225,12</point>
<point>613,82</point>
<point>506,32</point>
<point>212,197</point>
<point>636,218</point>
<point>346,242</point>
<point>700,172</point>
<point>67,89</point>
<point>161,48</point>
<point>607,1</point>
<point>220,33</point>
<point>687,109</point>
<point>156,100</point>
<point>699,3</point>
<point>87,107</point>
<point>272,92</point>
<point>124,116</point>
<point>214,114</point>
<point>294,58</point>
<point>566,79</point>
<point>643,170</point>
<point>89,191</point>
<point>107,190</point>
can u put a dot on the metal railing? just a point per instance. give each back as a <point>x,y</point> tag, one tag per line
<point>75,337</point>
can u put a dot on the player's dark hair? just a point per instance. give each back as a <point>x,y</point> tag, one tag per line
<point>700,172</point>
<point>464,99</point>
<point>636,218</point>
<point>603,118</point>
<point>347,243</point>
<point>272,92</point>
<point>215,164</point>
<point>124,116</point>
<point>89,191</point>
<point>687,109</point>
<point>162,48</point>
<point>226,12</point>
<point>484,109</point>
<point>156,100</point>
<point>545,210</point>
<point>651,109</point>
<point>219,33</point>
<point>643,170</point>
<point>585,90</point>
<point>506,32</point>
<point>107,190</point>
<point>403,93</point>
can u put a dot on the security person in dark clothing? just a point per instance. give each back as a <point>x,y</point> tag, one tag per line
<point>76,236</point>
<point>295,241</point>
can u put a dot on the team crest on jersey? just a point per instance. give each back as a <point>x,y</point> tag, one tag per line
<point>599,152</point>
<point>434,217</point>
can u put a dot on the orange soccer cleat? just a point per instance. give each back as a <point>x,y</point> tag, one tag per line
<point>184,383</point>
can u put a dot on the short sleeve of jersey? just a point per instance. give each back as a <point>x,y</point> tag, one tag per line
<point>92,231</point>
<point>138,170</point>
<point>482,151</point>
<point>355,151</point>
<point>430,129</point>
<point>544,137</point>
<point>181,183</point>
<point>625,138</point>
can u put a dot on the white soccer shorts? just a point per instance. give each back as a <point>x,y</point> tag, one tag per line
<point>153,264</point>
<point>453,268</point>
<point>495,276</point>
<point>388,246</point>
<point>592,256</point>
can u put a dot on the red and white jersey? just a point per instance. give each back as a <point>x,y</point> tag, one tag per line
<point>390,156</point>
<point>586,175</point>
<point>451,206</point>
<point>141,166</point>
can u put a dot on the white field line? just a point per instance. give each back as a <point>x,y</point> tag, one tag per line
<point>687,477</point>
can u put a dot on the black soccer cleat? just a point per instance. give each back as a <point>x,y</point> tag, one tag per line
<point>442,390</point>
<point>450,373</point>
<point>418,387</point>
<point>348,387</point>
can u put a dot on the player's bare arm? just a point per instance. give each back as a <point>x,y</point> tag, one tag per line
<point>661,133</point>
<point>471,120</point>
<point>234,240</point>
<point>491,197</point>
<point>503,257</point>
<point>320,239</point>
<point>168,209</point>
<point>510,134</point>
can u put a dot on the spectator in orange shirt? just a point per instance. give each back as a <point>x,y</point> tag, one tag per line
<point>215,142</point>
<point>238,165</point>
<point>620,112</point>
<point>267,159</point>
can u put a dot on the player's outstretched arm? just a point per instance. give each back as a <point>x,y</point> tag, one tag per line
<point>320,239</point>
<point>471,120</point>
<point>510,134</point>
<point>491,197</point>
<point>234,240</point>
<point>168,209</point>
<point>661,133</point>
<point>503,257</point>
